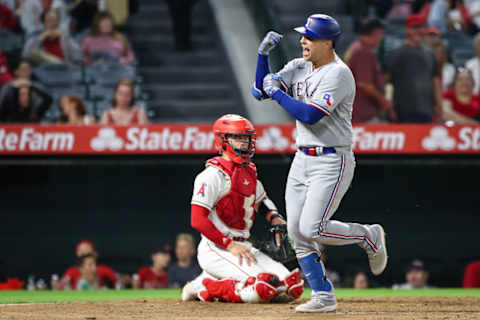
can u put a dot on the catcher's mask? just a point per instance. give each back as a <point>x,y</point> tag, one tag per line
<point>235,127</point>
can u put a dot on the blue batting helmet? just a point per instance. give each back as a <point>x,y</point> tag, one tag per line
<point>320,26</point>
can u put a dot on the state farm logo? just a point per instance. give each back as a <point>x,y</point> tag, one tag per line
<point>378,140</point>
<point>106,140</point>
<point>272,137</point>
<point>438,139</point>
<point>32,139</point>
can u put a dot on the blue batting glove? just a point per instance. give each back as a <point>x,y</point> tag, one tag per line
<point>271,84</point>
<point>269,42</point>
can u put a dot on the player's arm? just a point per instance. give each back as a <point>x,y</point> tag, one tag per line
<point>263,66</point>
<point>325,99</point>
<point>267,208</point>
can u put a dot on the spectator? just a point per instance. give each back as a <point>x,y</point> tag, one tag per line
<point>123,112</point>
<point>432,36</point>
<point>473,64</point>
<point>72,111</point>
<point>473,7</point>
<point>52,45</point>
<point>156,276</point>
<point>460,105</point>
<point>87,266</point>
<point>24,103</point>
<point>450,15</point>
<point>32,11</point>
<point>416,277</point>
<point>82,13</point>
<point>8,20</point>
<point>5,75</point>
<point>360,57</point>
<point>105,42</point>
<point>360,280</point>
<point>105,274</point>
<point>185,268</point>
<point>412,70</point>
<point>181,14</point>
<point>471,278</point>
<point>446,70</point>
<point>23,70</point>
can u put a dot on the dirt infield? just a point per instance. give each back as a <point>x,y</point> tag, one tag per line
<point>349,308</point>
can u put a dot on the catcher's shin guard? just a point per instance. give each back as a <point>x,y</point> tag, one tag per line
<point>222,289</point>
<point>293,284</point>
<point>263,288</point>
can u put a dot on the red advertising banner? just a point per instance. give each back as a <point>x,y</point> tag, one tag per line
<point>198,138</point>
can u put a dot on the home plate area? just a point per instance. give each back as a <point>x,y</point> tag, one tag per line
<point>349,308</point>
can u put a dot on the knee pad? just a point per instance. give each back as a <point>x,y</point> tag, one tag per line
<point>262,288</point>
<point>294,284</point>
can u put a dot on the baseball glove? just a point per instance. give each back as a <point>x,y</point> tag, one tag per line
<point>283,253</point>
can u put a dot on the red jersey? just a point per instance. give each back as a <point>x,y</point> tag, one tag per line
<point>106,277</point>
<point>471,278</point>
<point>224,198</point>
<point>150,279</point>
<point>471,109</point>
<point>231,208</point>
<point>5,75</point>
<point>54,47</point>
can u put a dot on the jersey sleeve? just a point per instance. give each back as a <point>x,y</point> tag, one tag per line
<point>206,189</point>
<point>332,90</point>
<point>260,193</point>
<point>288,71</point>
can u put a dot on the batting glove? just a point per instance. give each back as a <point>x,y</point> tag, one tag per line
<point>271,84</point>
<point>269,42</point>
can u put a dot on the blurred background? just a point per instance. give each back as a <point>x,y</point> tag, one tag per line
<point>79,65</point>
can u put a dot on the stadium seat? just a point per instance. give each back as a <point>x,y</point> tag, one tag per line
<point>109,72</point>
<point>58,74</point>
<point>460,56</point>
<point>10,41</point>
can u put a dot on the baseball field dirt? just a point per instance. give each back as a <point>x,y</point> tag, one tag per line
<point>349,308</point>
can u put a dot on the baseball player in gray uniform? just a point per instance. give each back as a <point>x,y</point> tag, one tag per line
<point>318,91</point>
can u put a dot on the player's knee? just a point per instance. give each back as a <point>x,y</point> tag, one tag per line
<point>307,230</point>
<point>262,288</point>
<point>293,230</point>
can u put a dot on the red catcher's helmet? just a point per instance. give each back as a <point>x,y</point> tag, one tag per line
<point>235,125</point>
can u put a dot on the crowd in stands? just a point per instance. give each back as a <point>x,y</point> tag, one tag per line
<point>81,68</point>
<point>167,269</point>
<point>414,62</point>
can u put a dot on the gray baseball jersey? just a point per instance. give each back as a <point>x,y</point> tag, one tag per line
<point>331,89</point>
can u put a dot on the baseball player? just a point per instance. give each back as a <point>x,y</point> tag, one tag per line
<point>226,196</point>
<point>318,91</point>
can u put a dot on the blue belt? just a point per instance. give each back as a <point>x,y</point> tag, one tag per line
<point>317,151</point>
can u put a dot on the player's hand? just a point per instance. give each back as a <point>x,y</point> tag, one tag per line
<point>242,253</point>
<point>269,42</point>
<point>271,84</point>
<point>275,221</point>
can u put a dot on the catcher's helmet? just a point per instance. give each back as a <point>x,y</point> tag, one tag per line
<point>320,26</point>
<point>234,125</point>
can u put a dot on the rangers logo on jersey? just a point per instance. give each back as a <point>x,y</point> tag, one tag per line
<point>327,97</point>
<point>202,190</point>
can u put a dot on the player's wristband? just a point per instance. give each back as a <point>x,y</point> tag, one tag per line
<point>272,215</point>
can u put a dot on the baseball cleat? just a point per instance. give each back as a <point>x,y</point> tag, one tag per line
<point>188,292</point>
<point>319,302</point>
<point>378,260</point>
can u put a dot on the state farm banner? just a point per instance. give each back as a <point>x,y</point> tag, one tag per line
<point>198,139</point>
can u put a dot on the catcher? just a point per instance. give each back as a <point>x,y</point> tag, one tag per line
<point>226,197</point>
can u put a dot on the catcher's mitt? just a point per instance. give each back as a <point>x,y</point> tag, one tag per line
<point>283,253</point>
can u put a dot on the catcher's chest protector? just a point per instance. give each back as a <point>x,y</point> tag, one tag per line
<point>236,208</point>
